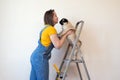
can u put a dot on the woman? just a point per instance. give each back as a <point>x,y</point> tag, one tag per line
<point>48,39</point>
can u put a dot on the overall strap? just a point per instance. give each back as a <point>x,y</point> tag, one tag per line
<point>42,31</point>
<point>47,53</point>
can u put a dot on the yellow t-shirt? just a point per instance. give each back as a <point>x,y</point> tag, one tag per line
<point>45,36</point>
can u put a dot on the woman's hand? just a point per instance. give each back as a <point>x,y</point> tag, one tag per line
<point>69,32</point>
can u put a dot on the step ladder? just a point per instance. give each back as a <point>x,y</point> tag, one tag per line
<point>73,57</point>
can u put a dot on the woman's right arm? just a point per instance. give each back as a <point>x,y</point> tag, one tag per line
<point>59,42</point>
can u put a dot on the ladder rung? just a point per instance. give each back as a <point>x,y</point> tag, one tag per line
<point>76,60</point>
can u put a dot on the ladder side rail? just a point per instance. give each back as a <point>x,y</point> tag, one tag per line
<point>60,68</point>
<point>84,64</point>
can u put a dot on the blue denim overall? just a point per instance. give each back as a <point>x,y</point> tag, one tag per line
<point>40,61</point>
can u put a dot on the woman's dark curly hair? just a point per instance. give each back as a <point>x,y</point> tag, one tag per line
<point>48,17</point>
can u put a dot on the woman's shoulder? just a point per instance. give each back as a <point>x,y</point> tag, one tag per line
<point>49,28</point>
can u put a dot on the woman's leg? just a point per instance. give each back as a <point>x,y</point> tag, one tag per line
<point>42,71</point>
<point>33,74</point>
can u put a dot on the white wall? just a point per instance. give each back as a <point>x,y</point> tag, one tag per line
<point>21,22</point>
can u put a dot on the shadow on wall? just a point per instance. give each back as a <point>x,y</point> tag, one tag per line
<point>91,42</point>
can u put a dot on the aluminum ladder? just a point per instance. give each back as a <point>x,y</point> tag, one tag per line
<point>61,75</point>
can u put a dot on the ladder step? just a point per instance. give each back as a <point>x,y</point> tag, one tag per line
<point>76,60</point>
